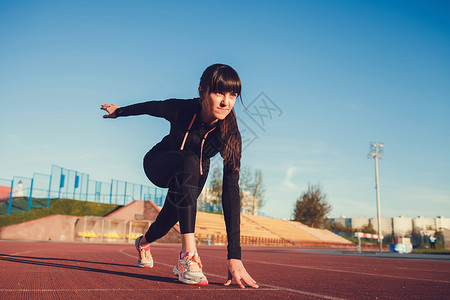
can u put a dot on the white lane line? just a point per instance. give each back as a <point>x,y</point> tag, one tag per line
<point>400,258</point>
<point>302,292</point>
<point>270,287</point>
<point>23,252</point>
<point>124,290</point>
<point>350,272</point>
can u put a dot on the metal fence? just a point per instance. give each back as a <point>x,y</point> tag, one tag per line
<point>70,184</point>
<point>64,183</point>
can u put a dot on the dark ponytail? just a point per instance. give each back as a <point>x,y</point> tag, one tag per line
<point>232,143</point>
<point>223,78</point>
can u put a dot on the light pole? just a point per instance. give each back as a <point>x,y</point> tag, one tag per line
<point>376,152</point>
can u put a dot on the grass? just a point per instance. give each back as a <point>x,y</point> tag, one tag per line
<point>440,250</point>
<point>21,205</point>
<point>57,207</point>
<point>363,241</point>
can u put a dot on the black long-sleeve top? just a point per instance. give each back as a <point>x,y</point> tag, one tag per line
<point>180,114</point>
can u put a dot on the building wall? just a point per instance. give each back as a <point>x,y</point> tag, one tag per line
<point>386,225</point>
<point>422,223</point>
<point>342,220</point>
<point>249,204</point>
<point>399,226</point>
<point>446,235</point>
<point>402,226</point>
<point>51,228</point>
<point>63,228</point>
<point>132,211</point>
<point>359,222</point>
<point>442,223</point>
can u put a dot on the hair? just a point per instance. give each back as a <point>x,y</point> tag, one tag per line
<point>223,78</point>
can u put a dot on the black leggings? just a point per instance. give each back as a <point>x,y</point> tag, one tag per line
<point>180,172</point>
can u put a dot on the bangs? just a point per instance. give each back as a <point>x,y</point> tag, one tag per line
<point>222,78</point>
<point>226,82</point>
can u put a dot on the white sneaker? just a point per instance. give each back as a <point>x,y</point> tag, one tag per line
<point>189,269</point>
<point>145,259</point>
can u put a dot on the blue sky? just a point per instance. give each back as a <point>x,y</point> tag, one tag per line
<point>342,73</point>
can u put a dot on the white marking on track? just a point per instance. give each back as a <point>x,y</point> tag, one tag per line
<point>268,286</point>
<point>123,290</point>
<point>350,272</point>
<point>23,252</point>
<point>399,258</point>
<point>302,292</point>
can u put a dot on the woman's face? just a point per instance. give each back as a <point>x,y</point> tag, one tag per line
<point>216,106</point>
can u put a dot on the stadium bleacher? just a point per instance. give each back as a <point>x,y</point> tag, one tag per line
<point>258,230</point>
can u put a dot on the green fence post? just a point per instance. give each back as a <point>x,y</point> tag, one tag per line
<point>110,192</point>
<point>87,187</point>
<point>10,197</point>
<point>125,194</point>
<point>31,193</point>
<point>49,190</point>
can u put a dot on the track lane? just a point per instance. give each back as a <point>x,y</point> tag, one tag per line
<point>83,271</point>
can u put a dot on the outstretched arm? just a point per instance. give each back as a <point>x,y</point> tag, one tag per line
<point>110,109</point>
<point>167,109</point>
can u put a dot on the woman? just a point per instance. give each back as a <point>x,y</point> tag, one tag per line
<point>200,128</point>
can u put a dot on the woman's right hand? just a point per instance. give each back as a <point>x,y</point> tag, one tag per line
<point>110,109</point>
<point>237,272</point>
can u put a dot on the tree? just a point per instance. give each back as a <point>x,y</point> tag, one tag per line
<point>216,185</point>
<point>338,227</point>
<point>312,207</point>
<point>252,181</point>
<point>368,228</point>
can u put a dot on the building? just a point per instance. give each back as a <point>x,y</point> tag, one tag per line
<point>446,235</point>
<point>421,223</point>
<point>208,195</point>
<point>402,226</point>
<point>442,223</point>
<point>399,226</point>
<point>249,203</point>
<point>359,222</point>
<point>386,225</point>
<point>342,220</point>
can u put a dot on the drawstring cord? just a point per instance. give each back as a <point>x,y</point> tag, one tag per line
<point>201,149</point>
<point>203,141</point>
<point>187,132</point>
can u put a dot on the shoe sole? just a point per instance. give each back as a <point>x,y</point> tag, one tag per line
<point>187,281</point>
<point>145,266</point>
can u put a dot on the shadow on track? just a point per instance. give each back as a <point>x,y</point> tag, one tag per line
<point>40,262</point>
<point>68,260</point>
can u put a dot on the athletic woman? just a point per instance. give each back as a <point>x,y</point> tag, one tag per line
<point>200,128</point>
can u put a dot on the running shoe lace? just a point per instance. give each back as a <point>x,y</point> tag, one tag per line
<point>145,254</point>
<point>190,264</point>
<point>196,259</point>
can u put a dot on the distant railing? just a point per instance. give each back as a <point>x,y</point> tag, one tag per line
<point>64,183</point>
<point>70,184</point>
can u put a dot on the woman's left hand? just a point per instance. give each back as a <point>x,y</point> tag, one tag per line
<point>110,109</point>
<point>237,272</point>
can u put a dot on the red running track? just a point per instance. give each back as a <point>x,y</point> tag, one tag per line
<point>50,270</point>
